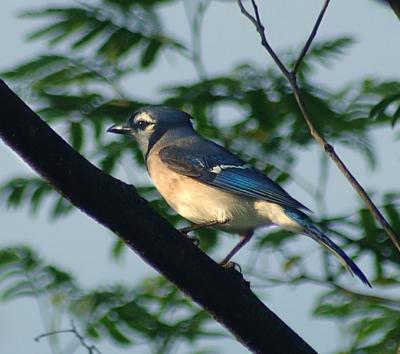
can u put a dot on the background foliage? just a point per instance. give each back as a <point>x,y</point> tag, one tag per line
<point>77,85</point>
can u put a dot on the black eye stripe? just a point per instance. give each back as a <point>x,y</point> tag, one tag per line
<point>142,124</point>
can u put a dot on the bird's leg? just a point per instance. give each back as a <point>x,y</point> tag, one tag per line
<point>186,230</point>
<point>243,240</point>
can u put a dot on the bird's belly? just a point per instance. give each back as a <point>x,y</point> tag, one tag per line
<point>200,203</point>
<point>206,205</point>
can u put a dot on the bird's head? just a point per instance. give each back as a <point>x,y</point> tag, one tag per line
<point>147,125</point>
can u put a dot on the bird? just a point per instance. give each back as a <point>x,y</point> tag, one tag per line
<point>211,187</point>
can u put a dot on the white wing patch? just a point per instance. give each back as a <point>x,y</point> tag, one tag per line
<point>220,168</point>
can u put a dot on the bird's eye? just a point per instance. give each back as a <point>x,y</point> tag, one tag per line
<point>142,124</point>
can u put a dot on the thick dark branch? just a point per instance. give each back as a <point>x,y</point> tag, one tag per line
<point>395,5</point>
<point>117,206</point>
<point>291,76</point>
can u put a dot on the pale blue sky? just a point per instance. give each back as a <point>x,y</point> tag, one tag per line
<point>228,38</point>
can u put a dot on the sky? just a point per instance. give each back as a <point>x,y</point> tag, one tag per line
<point>83,247</point>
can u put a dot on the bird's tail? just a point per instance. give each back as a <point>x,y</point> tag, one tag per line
<point>313,231</point>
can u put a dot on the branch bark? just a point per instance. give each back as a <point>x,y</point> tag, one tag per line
<point>116,205</point>
<point>395,5</point>
<point>291,76</point>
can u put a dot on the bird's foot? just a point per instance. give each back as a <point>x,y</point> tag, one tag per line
<point>195,240</point>
<point>185,230</point>
<point>231,265</point>
<point>237,269</point>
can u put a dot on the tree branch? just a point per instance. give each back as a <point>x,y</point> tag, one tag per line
<point>395,5</point>
<point>222,292</point>
<point>92,349</point>
<point>292,78</point>
<point>311,37</point>
<point>261,30</point>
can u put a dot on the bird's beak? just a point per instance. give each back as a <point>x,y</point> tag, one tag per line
<point>122,128</point>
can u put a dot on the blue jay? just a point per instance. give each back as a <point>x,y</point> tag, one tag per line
<point>209,186</point>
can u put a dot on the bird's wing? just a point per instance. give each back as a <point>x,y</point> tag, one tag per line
<point>224,170</point>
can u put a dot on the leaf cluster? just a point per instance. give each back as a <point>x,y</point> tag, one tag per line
<point>152,312</point>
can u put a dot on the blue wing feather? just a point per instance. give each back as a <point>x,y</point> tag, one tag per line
<point>252,183</point>
<point>218,167</point>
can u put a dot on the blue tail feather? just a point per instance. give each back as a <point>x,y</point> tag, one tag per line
<point>311,230</point>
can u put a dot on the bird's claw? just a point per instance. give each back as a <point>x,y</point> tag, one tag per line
<point>195,240</point>
<point>185,230</point>
<point>232,265</point>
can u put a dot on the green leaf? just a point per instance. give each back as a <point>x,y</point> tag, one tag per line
<point>108,162</point>
<point>76,133</point>
<point>396,116</point>
<point>117,249</point>
<point>59,31</point>
<point>150,52</point>
<point>379,109</point>
<point>370,326</point>
<point>119,43</point>
<point>114,331</point>
<point>394,217</point>
<point>19,288</point>
<point>92,332</point>
<point>61,207</point>
<point>38,194</point>
<point>92,34</point>
<point>330,49</point>
<point>41,63</point>
<point>16,195</point>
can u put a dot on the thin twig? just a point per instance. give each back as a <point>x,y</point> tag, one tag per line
<point>261,30</point>
<point>292,78</point>
<point>343,168</point>
<point>311,37</point>
<point>91,348</point>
